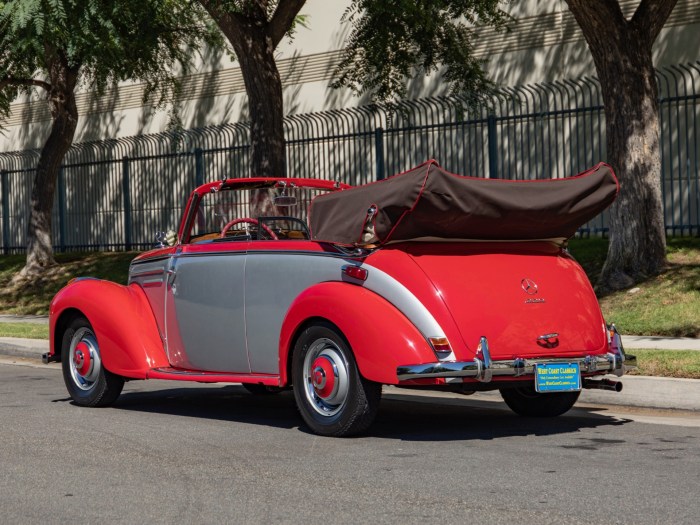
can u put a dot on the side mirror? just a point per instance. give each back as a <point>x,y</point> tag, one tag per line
<point>164,239</point>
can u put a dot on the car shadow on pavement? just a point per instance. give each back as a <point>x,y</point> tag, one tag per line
<point>415,419</point>
<point>226,403</point>
<point>405,417</point>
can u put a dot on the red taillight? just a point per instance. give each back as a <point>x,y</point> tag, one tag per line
<point>441,346</point>
<point>356,272</point>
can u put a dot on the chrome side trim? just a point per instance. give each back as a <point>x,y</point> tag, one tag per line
<point>146,260</point>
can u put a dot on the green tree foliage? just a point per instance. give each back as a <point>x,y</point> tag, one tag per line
<point>109,40</point>
<point>392,41</point>
<point>54,47</point>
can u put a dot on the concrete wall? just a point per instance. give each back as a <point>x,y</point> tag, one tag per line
<point>544,44</point>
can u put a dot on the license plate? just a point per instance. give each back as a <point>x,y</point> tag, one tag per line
<point>559,377</point>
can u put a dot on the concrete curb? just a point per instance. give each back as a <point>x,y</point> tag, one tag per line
<point>650,392</point>
<point>638,391</point>
<point>660,343</point>
<point>18,347</point>
<point>32,319</point>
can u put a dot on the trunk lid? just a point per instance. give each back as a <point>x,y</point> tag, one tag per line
<point>529,299</point>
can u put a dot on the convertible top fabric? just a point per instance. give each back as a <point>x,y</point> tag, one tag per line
<point>428,202</point>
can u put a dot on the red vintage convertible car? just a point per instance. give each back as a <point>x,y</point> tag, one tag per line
<point>424,280</point>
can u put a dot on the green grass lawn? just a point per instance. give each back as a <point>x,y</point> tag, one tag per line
<point>33,298</point>
<point>667,363</point>
<point>24,330</point>
<point>666,304</point>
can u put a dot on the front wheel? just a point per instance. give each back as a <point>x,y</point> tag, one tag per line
<point>87,381</point>
<point>332,397</point>
<point>526,401</point>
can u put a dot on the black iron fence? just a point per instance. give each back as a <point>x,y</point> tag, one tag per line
<point>115,194</point>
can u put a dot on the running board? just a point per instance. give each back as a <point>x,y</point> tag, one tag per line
<point>180,374</point>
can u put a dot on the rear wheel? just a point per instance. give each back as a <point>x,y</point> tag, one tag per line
<point>87,381</point>
<point>526,401</point>
<point>332,397</point>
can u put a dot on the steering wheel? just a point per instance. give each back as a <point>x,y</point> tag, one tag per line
<point>247,220</point>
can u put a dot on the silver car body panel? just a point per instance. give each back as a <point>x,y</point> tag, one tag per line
<point>205,323</point>
<point>274,279</point>
<point>150,276</point>
<point>224,311</point>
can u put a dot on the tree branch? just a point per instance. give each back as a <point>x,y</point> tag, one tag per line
<point>650,17</point>
<point>597,13</point>
<point>283,18</point>
<point>24,82</point>
<point>603,26</point>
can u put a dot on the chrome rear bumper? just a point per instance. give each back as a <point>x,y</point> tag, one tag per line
<point>484,369</point>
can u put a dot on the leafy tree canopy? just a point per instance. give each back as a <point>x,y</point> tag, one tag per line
<point>391,38</point>
<point>106,40</point>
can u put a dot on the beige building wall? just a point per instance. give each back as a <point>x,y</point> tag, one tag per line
<point>544,44</point>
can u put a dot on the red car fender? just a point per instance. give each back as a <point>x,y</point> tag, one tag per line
<point>123,322</point>
<point>380,336</point>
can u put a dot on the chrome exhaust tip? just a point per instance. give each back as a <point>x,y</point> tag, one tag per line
<point>603,384</point>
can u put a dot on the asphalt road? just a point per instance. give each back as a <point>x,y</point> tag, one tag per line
<point>188,453</point>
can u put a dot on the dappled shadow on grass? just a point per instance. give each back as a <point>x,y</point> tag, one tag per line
<point>405,417</point>
<point>667,304</point>
<point>32,296</point>
<point>686,277</point>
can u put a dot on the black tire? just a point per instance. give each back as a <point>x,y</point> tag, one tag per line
<point>525,401</point>
<point>88,382</point>
<point>261,390</point>
<point>332,397</point>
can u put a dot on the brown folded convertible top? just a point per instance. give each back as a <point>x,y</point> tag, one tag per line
<point>428,202</point>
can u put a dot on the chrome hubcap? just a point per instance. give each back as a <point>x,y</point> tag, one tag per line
<point>326,381</point>
<point>84,359</point>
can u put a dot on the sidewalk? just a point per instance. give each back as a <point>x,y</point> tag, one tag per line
<point>638,391</point>
<point>33,319</point>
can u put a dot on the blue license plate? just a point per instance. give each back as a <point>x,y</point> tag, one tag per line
<point>559,377</point>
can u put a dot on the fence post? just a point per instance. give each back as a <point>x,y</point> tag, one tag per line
<point>198,167</point>
<point>493,146</point>
<point>5,212</point>
<point>61,210</point>
<point>126,187</point>
<point>379,151</point>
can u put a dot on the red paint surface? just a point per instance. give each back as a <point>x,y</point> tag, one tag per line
<point>82,353</point>
<point>479,286</point>
<point>471,289</point>
<point>380,337</point>
<point>323,377</point>
<point>123,323</point>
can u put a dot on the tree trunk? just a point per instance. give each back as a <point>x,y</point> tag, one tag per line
<point>254,34</point>
<point>254,39</point>
<point>622,52</point>
<point>64,112</point>
<point>264,88</point>
<point>637,246</point>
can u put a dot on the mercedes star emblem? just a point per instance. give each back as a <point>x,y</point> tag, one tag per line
<point>529,286</point>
